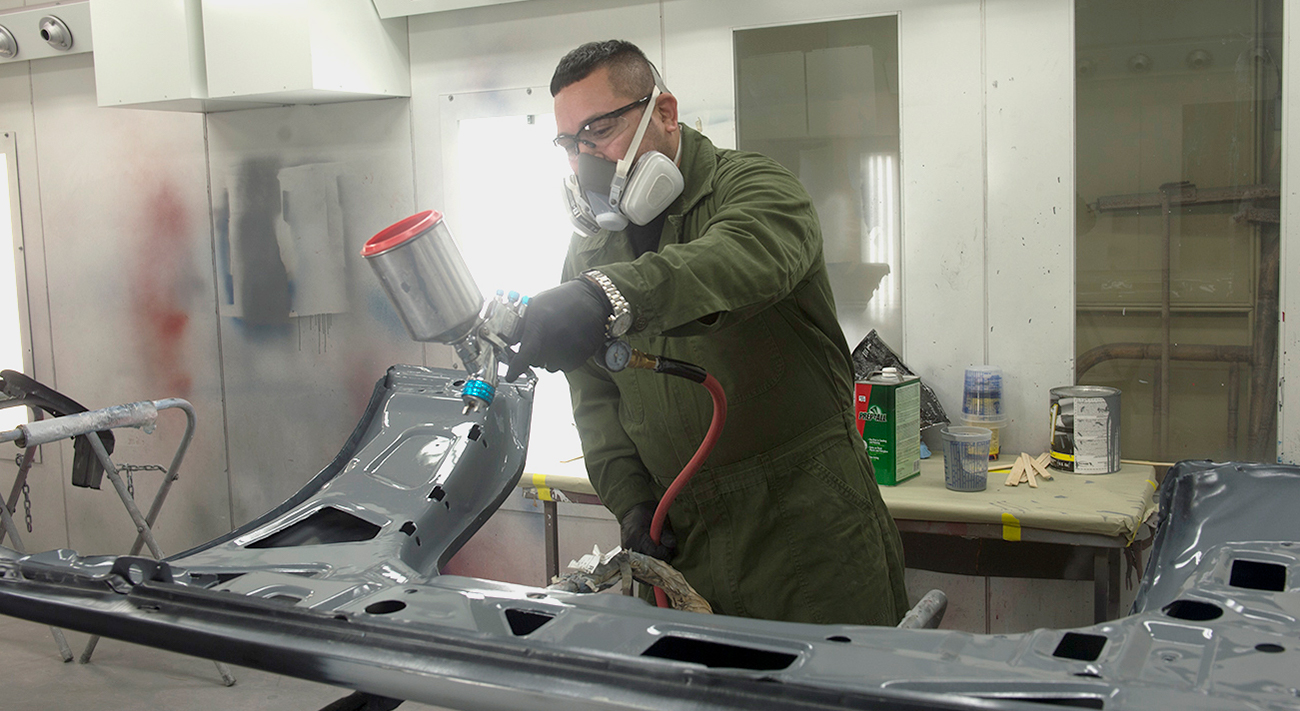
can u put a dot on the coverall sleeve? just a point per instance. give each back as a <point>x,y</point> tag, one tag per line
<point>751,253</point>
<point>613,465</point>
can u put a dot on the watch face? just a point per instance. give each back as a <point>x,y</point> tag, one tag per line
<point>617,356</point>
<point>619,324</point>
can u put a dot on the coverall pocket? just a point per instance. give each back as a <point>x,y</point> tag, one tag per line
<point>744,357</point>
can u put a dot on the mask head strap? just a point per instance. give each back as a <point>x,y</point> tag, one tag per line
<point>625,164</point>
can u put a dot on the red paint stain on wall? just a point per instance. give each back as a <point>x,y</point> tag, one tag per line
<point>163,280</point>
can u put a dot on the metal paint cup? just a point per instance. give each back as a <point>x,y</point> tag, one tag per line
<point>1085,429</point>
<point>424,275</point>
<point>966,458</point>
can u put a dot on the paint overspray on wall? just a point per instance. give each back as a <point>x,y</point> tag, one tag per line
<point>287,248</point>
<point>164,282</point>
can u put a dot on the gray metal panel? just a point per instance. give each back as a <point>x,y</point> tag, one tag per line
<point>371,612</point>
<point>296,383</point>
<point>124,216</point>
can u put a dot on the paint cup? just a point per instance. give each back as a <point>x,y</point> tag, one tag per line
<point>966,458</point>
<point>981,403</point>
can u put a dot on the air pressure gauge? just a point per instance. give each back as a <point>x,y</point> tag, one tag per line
<point>617,355</point>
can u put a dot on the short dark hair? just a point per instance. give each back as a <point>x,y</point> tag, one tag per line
<point>630,72</point>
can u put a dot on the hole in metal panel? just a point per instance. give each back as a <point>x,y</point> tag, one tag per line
<point>718,654</point>
<point>1079,702</point>
<point>475,432</point>
<point>1270,648</point>
<point>329,525</point>
<point>385,607</point>
<point>1084,647</point>
<point>1254,575</point>
<point>525,622</point>
<point>838,638</point>
<point>437,493</point>
<point>1193,610</point>
<point>408,528</point>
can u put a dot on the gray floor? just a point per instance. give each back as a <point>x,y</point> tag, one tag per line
<point>125,676</point>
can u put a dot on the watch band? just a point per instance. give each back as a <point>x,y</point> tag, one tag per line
<point>621,318</point>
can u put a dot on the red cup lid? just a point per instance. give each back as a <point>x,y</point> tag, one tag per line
<point>401,232</point>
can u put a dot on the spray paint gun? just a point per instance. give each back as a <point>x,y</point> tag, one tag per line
<point>424,275</point>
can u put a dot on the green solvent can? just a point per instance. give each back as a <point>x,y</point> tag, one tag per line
<point>887,406</point>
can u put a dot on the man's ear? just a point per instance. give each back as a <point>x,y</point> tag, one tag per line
<point>666,111</point>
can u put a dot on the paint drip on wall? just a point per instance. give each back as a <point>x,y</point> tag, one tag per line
<point>163,282</point>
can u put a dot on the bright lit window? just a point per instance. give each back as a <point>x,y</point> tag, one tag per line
<point>504,206</point>
<point>11,342</point>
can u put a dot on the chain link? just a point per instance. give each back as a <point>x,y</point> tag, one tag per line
<point>27,506</point>
<point>129,469</point>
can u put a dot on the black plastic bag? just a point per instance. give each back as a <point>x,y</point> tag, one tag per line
<point>873,355</point>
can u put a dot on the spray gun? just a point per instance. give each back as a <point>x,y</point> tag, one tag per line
<point>422,271</point>
<point>426,278</point>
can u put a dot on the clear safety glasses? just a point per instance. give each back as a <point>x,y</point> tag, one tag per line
<point>600,130</point>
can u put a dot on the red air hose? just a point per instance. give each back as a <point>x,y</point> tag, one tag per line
<point>701,454</point>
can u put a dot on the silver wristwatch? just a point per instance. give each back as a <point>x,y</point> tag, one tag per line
<point>621,319</point>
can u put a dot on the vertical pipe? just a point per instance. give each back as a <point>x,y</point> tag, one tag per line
<point>1166,216</point>
<point>1234,407</point>
<point>1157,393</point>
<point>1262,428</point>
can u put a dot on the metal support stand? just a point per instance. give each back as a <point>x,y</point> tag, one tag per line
<point>551,515</point>
<point>132,415</point>
<point>1105,586</point>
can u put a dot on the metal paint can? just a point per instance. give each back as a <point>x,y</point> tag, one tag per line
<point>1085,429</point>
<point>421,269</point>
<point>887,407</point>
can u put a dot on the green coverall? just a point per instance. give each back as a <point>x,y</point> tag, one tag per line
<point>785,520</point>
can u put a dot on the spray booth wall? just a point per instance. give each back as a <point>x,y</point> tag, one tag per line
<point>162,260</point>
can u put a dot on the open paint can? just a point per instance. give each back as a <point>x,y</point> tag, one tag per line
<point>1085,429</point>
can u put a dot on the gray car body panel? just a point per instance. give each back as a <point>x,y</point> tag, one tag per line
<point>340,584</point>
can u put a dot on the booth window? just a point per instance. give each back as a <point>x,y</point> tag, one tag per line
<point>822,99</point>
<point>1179,110</point>
<point>503,204</point>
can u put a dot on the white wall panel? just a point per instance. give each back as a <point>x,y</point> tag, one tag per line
<point>1031,201</point>
<point>297,384</point>
<point>1288,419</point>
<point>124,215</point>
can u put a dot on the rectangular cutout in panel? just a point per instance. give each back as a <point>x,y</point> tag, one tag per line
<point>718,655</point>
<point>1084,647</point>
<point>329,525</point>
<point>1256,575</point>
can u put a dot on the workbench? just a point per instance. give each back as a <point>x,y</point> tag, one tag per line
<point>1072,527</point>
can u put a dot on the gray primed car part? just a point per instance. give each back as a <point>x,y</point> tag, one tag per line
<point>352,597</point>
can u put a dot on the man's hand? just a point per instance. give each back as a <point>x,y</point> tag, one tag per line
<point>563,327</point>
<point>635,528</point>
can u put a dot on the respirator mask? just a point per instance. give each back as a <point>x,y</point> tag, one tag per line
<point>607,195</point>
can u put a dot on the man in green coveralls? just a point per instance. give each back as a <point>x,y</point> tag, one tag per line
<point>785,521</point>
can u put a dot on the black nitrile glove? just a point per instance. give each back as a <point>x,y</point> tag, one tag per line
<point>563,327</point>
<point>635,527</point>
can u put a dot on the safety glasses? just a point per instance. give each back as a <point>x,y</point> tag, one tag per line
<point>600,130</point>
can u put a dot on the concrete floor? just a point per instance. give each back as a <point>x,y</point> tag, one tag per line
<point>125,676</point>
